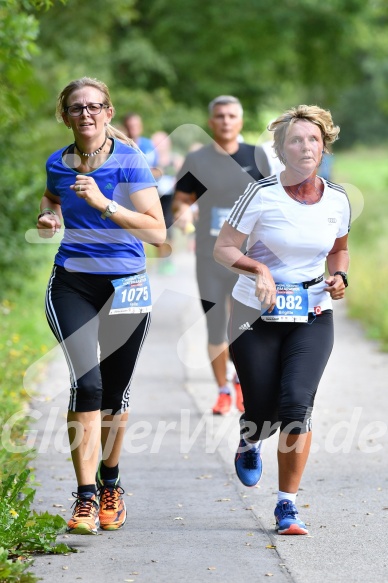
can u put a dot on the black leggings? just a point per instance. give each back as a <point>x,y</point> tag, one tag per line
<point>77,310</point>
<point>215,284</point>
<point>279,366</point>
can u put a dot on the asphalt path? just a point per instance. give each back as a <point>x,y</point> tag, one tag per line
<point>189,517</point>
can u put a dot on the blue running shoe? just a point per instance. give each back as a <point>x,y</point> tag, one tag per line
<point>248,464</point>
<point>287,521</point>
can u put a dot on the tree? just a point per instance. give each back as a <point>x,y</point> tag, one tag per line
<point>256,49</point>
<point>21,94</point>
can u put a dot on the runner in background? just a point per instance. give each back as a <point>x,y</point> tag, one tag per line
<point>133,125</point>
<point>212,178</point>
<point>169,162</point>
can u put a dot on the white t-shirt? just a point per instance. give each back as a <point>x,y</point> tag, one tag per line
<point>290,238</point>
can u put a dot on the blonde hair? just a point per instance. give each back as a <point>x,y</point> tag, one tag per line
<point>111,131</point>
<point>312,113</point>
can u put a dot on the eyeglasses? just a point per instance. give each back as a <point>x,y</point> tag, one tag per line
<point>91,108</point>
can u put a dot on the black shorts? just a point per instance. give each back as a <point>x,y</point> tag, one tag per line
<point>77,310</point>
<point>279,366</point>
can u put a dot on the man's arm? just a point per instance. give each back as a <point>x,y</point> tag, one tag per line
<point>181,208</point>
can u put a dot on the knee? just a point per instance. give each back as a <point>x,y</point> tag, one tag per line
<point>86,394</point>
<point>296,419</point>
<point>258,429</point>
<point>216,331</point>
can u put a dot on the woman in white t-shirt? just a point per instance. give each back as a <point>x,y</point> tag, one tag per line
<point>295,225</point>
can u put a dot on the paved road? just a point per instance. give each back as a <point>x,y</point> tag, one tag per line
<point>189,518</point>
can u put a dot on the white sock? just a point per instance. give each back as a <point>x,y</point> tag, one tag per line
<point>256,445</point>
<point>225,389</point>
<point>286,496</point>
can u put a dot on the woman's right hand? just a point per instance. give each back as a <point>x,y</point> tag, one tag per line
<point>266,289</point>
<point>47,225</point>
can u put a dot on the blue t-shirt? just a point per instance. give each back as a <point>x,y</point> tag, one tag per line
<point>90,243</point>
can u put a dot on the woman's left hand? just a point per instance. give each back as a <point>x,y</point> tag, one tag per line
<point>85,187</point>
<point>336,287</point>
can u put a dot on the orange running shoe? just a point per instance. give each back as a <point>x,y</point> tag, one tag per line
<point>85,518</point>
<point>238,394</point>
<point>113,512</point>
<point>223,404</point>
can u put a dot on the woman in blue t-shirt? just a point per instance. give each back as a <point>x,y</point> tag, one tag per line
<point>98,298</point>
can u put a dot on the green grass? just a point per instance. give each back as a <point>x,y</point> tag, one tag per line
<point>367,171</point>
<point>24,338</point>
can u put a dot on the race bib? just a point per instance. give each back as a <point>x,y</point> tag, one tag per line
<point>291,304</point>
<point>132,295</point>
<point>218,218</point>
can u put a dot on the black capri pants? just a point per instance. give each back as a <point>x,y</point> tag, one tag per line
<point>279,366</point>
<point>215,284</point>
<point>77,310</point>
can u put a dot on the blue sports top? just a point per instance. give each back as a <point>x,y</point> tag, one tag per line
<point>91,244</point>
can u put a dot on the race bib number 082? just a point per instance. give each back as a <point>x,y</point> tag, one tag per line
<point>132,295</point>
<point>291,304</point>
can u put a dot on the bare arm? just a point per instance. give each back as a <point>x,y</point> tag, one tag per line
<point>227,251</point>
<point>181,208</point>
<point>337,260</point>
<point>147,223</point>
<point>338,257</point>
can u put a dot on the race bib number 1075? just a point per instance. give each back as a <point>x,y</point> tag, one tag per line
<point>132,295</point>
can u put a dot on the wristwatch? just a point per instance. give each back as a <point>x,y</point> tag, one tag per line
<point>344,277</point>
<point>110,210</point>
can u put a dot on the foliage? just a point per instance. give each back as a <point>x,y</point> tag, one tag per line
<point>167,59</point>
<point>251,49</point>
<point>19,30</point>
<point>269,54</point>
<point>14,572</point>
<point>23,531</point>
<point>22,183</point>
<point>22,342</point>
<point>24,339</point>
<point>367,170</point>
<point>21,93</point>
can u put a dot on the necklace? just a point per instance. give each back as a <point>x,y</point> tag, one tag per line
<point>91,153</point>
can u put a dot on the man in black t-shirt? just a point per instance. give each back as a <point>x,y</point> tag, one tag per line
<point>214,177</point>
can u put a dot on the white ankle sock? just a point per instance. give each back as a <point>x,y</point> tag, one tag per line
<point>225,389</point>
<point>256,445</point>
<point>286,496</point>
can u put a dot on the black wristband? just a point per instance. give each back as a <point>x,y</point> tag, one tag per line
<point>46,212</point>
<point>344,276</point>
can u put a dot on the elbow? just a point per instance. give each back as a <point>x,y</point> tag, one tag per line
<point>217,255</point>
<point>159,236</point>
